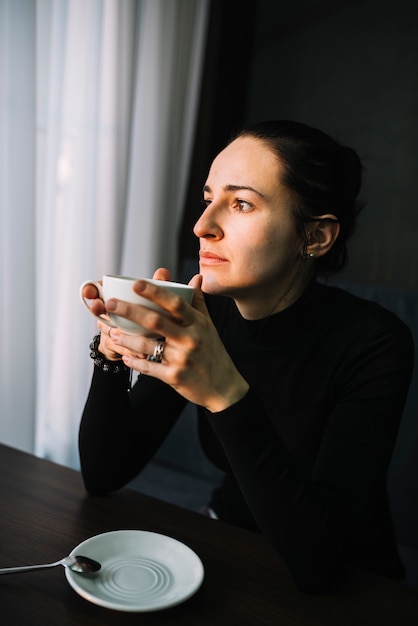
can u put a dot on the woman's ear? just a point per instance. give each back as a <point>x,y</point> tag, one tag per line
<point>323,232</point>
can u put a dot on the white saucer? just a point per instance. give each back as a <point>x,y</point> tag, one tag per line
<point>141,571</point>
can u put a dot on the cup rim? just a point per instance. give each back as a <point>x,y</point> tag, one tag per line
<point>153,281</point>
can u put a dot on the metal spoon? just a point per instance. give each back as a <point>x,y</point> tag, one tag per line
<point>77,563</point>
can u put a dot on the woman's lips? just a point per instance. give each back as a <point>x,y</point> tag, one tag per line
<point>208,258</point>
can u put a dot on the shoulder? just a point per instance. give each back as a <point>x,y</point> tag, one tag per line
<point>359,316</point>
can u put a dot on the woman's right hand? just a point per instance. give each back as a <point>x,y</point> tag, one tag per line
<point>106,345</point>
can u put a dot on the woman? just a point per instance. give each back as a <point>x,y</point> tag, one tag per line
<point>300,386</point>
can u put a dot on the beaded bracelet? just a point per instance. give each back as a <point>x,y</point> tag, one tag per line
<point>112,367</point>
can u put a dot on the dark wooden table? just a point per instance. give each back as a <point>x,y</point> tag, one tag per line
<point>45,513</point>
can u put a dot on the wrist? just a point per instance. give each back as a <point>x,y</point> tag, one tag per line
<point>228,398</point>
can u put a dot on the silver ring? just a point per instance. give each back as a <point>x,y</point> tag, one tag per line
<point>158,353</point>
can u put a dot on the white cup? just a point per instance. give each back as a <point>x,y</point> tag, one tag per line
<point>121,287</point>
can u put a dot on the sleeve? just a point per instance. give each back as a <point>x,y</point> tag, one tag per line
<point>312,518</point>
<point>120,431</point>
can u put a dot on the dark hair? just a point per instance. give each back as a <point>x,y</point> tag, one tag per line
<point>324,176</point>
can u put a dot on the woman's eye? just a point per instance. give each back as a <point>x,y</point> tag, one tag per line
<point>243,206</point>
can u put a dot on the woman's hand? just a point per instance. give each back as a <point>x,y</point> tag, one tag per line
<point>97,306</point>
<point>194,361</point>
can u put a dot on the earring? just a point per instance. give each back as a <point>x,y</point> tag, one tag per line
<point>310,255</point>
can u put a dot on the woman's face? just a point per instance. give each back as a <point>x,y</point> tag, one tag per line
<point>249,246</point>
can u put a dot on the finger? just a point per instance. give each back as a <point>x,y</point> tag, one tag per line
<point>135,346</point>
<point>144,366</point>
<point>196,281</point>
<point>156,351</point>
<point>97,307</point>
<point>118,344</point>
<point>161,274</point>
<point>151,320</point>
<point>175,310</point>
<point>106,329</point>
<point>198,298</point>
<point>90,292</point>
<point>170,302</point>
<point>107,346</point>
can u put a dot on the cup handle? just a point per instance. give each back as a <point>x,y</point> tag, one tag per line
<point>83,300</point>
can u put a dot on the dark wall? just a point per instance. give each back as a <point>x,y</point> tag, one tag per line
<point>351,68</point>
<point>222,105</point>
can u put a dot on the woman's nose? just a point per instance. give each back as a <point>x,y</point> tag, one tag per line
<point>208,224</point>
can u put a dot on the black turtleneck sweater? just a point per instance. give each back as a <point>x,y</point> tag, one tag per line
<point>305,452</point>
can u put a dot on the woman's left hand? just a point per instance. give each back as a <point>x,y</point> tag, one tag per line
<point>194,360</point>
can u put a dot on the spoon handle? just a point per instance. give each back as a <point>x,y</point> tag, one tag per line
<point>27,568</point>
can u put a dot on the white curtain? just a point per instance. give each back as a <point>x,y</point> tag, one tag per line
<point>98,103</point>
